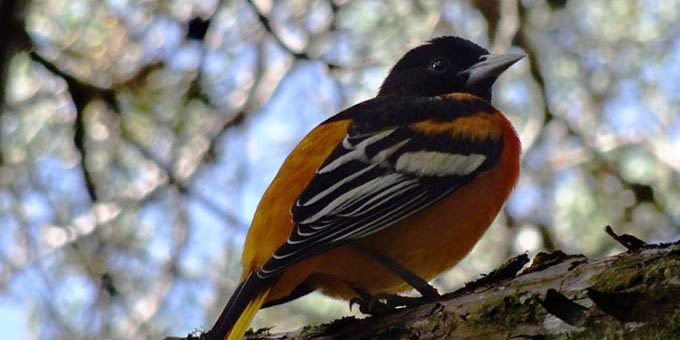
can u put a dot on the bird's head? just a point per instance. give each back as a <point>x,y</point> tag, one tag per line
<point>445,65</point>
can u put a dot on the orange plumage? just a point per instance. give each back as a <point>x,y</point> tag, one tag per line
<point>428,241</point>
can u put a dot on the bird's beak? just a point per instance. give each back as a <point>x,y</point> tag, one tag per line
<point>489,67</point>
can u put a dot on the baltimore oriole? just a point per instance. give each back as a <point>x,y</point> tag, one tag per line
<point>386,194</point>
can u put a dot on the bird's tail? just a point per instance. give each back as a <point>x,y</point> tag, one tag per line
<point>246,317</point>
<point>241,309</point>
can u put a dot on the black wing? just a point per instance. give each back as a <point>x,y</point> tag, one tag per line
<point>375,178</point>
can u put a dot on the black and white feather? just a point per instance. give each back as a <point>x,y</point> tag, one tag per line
<point>373,179</point>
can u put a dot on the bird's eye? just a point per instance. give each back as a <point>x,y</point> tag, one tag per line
<point>439,65</point>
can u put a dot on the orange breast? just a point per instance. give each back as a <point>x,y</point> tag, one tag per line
<point>428,242</point>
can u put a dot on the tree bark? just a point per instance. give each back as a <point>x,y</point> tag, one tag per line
<point>635,294</point>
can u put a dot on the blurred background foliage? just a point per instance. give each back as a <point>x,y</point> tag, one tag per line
<point>136,137</point>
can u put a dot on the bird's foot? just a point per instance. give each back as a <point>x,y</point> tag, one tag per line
<point>371,306</point>
<point>385,303</point>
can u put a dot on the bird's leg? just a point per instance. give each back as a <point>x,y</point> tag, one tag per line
<point>423,287</point>
<point>369,304</point>
<point>382,303</point>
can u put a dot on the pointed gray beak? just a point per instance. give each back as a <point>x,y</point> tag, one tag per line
<point>489,66</point>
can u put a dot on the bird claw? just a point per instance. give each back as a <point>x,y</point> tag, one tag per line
<point>354,301</point>
<point>371,306</point>
<point>383,303</point>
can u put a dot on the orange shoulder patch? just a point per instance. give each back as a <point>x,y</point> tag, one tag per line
<point>476,127</point>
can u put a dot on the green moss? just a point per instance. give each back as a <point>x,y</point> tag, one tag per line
<point>504,313</point>
<point>616,280</point>
<point>652,300</point>
<point>626,275</point>
<point>666,326</point>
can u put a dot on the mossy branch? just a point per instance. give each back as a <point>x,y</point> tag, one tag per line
<point>628,295</point>
<point>632,294</point>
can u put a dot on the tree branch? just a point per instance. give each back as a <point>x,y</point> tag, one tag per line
<point>81,94</point>
<point>300,55</point>
<point>631,294</point>
<point>11,21</point>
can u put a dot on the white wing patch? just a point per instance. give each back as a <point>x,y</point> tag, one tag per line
<point>337,185</point>
<point>357,152</point>
<point>355,194</point>
<point>434,163</point>
<point>382,156</point>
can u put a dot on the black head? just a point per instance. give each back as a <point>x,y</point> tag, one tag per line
<point>445,65</point>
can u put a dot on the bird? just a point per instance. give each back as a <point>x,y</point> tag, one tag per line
<point>386,194</point>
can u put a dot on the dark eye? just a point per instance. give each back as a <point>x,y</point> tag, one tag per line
<point>439,65</point>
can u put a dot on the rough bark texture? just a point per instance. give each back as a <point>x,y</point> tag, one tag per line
<point>633,295</point>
